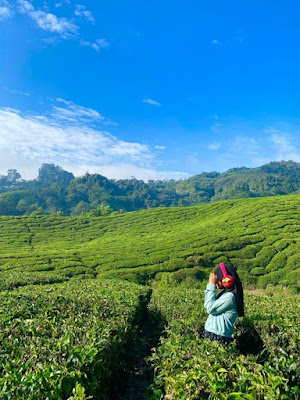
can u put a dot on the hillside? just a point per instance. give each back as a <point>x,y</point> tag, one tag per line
<point>260,237</point>
<point>76,325</point>
<point>56,190</point>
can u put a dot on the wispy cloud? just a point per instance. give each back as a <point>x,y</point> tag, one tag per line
<point>97,45</point>
<point>19,92</point>
<point>245,145</point>
<point>285,149</point>
<point>151,101</point>
<point>214,146</point>
<point>40,138</point>
<point>81,11</point>
<point>282,148</point>
<point>27,140</point>
<point>5,10</point>
<point>61,3</point>
<point>233,40</point>
<point>71,112</point>
<point>23,94</point>
<point>47,21</point>
<point>160,147</point>
<point>127,170</point>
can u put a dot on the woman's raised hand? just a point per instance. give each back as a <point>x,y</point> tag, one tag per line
<point>213,278</point>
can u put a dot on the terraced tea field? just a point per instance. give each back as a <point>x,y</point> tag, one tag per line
<point>81,298</point>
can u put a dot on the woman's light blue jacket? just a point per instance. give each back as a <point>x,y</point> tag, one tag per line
<point>222,312</point>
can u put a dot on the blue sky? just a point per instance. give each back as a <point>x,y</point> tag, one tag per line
<point>155,90</point>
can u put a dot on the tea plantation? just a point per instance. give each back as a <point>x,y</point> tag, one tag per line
<point>77,293</point>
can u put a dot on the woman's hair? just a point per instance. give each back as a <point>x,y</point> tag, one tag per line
<point>236,289</point>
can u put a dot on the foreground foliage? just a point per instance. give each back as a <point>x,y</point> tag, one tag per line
<point>67,341</point>
<point>189,367</point>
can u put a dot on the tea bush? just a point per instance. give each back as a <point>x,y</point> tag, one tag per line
<point>68,317</point>
<point>249,233</point>
<point>56,339</point>
<point>277,320</point>
<point>190,367</point>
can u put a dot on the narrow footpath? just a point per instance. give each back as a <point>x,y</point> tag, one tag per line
<point>141,375</point>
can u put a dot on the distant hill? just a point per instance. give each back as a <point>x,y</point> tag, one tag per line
<point>56,190</point>
<point>260,237</point>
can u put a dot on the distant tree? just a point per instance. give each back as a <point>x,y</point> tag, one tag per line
<point>101,210</point>
<point>81,208</point>
<point>8,206</point>
<point>57,190</point>
<point>13,177</point>
<point>23,206</point>
<point>38,212</point>
<point>49,173</point>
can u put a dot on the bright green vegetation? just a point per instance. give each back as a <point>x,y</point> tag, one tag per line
<point>260,237</point>
<point>56,190</point>
<point>189,367</point>
<point>75,291</point>
<point>64,339</point>
<point>277,321</point>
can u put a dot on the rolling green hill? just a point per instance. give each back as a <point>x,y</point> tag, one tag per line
<point>260,237</point>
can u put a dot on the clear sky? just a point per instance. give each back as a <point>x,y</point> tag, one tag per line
<point>152,89</point>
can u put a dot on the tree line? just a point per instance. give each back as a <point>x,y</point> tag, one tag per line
<point>58,191</point>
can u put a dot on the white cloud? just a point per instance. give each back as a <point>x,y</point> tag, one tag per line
<point>27,141</point>
<point>245,144</point>
<point>72,112</point>
<point>43,139</point>
<point>19,92</point>
<point>97,45</point>
<point>61,3</point>
<point>160,147</point>
<point>24,94</point>
<point>9,109</point>
<point>47,21</point>
<point>81,11</point>
<point>214,146</point>
<point>26,166</point>
<point>151,101</point>
<point>126,171</point>
<point>5,11</point>
<point>285,150</point>
<point>215,42</point>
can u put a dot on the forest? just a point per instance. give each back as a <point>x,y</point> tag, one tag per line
<point>58,191</point>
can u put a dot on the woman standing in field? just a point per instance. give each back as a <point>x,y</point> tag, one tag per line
<point>224,308</point>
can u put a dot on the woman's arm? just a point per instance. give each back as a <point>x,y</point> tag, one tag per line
<point>213,306</point>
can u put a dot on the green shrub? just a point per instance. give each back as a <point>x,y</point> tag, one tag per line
<point>258,271</point>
